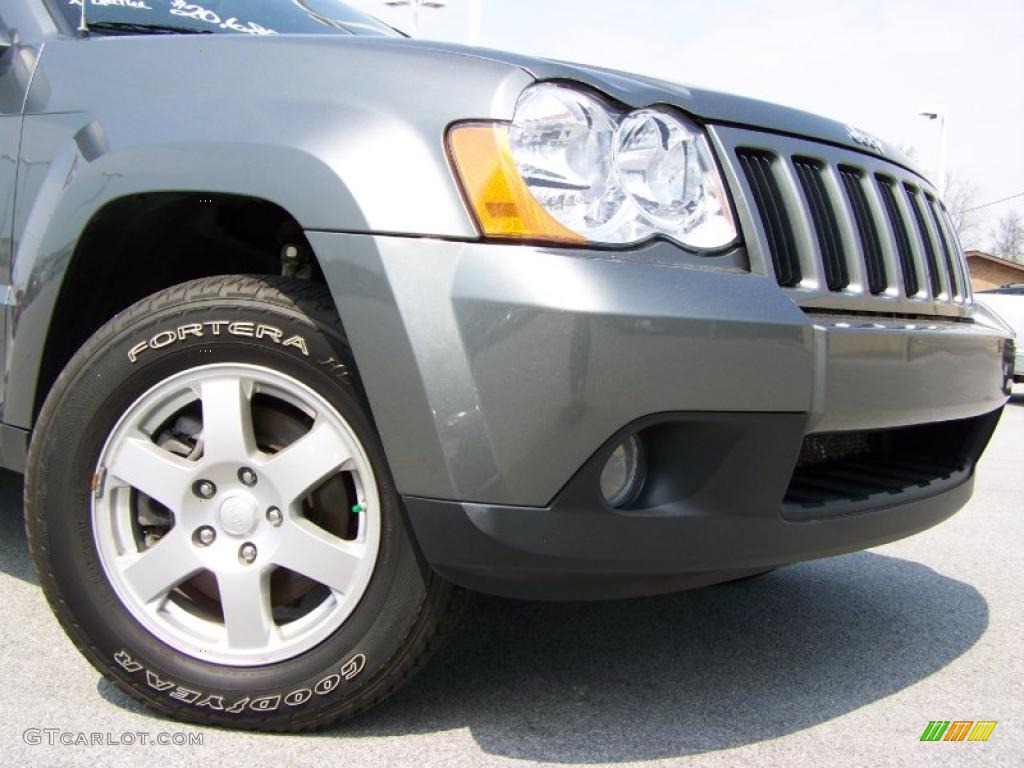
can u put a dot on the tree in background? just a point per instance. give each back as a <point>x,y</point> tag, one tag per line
<point>1008,237</point>
<point>960,195</point>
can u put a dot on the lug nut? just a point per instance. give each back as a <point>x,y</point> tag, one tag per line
<point>274,516</point>
<point>204,489</point>
<point>247,553</point>
<point>247,476</point>
<point>206,535</point>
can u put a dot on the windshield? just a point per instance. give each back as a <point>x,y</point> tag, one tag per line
<point>253,17</point>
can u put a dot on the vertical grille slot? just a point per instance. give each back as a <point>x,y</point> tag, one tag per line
<point>757,166</point>
<point>899,227</point>
<point>926,239</point>
<point>955,288</point>
<point>870,243</point>
<point>958,255</point>
<point>826,227</point>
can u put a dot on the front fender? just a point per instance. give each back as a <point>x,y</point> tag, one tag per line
<point>82,176</point>
<point>342,134</point>
<point>370,117</point>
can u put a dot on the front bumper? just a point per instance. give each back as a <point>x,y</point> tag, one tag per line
<point>716,507</point>
<point>572,554</point>
<point>496,372</point>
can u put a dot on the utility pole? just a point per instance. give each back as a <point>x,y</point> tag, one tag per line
<point>416,5</point>
<point>939,114</point>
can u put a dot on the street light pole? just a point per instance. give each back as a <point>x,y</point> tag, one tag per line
<point>935,113</point>
<point>416,5</point>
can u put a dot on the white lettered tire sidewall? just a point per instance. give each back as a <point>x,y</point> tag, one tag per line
<point>290,327</point>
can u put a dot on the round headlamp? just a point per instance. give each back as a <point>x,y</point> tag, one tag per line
<point>658,160</point>
<point>562,141</point>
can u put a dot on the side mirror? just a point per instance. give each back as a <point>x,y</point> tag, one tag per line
<point>6,43</point>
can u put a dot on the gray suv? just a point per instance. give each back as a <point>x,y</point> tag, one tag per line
<point>309,328</point>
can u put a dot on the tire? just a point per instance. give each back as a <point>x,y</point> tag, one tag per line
<point>291,651</point>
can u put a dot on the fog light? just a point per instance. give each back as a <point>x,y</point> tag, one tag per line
<point>623,474</point>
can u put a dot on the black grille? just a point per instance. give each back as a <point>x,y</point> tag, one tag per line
<point>929,247</point>
<point>842,469</point>
<point>955,287</point>
<point>826,227</point>
<point>899,227</point>
<point>872,246</point>
<point>845,230</point>
<point>821,448</point>
<point>768,197</point>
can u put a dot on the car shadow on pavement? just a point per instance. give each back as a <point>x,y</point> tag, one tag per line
<point>14,559</point>
<point>664,676</point>
<point>687,673</point>
<point>681,674</point>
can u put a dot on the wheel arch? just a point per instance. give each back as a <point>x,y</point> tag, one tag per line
<point>130,247</point>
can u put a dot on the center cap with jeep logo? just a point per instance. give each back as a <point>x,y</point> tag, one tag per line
<point>237,515</point>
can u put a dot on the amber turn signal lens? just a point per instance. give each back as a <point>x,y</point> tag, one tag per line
<point>501,202</point>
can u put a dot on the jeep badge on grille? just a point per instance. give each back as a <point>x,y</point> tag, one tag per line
<point>866,139</point>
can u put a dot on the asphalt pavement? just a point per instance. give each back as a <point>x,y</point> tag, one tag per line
<point>836,662</point>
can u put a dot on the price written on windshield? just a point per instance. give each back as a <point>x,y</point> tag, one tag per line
<point>199,13</point>
<point>187,10</point>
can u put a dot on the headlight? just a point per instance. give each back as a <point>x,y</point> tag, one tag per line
<point>563,145</point>
<point>573,168</point>
<point>665,165</point>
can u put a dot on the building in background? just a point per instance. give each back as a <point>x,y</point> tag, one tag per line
<point>988,271</point>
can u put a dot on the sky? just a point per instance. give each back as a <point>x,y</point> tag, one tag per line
<point>870,63</point>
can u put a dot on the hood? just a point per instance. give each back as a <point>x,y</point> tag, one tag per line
<point>707,105</point>
<point>630,89</point>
